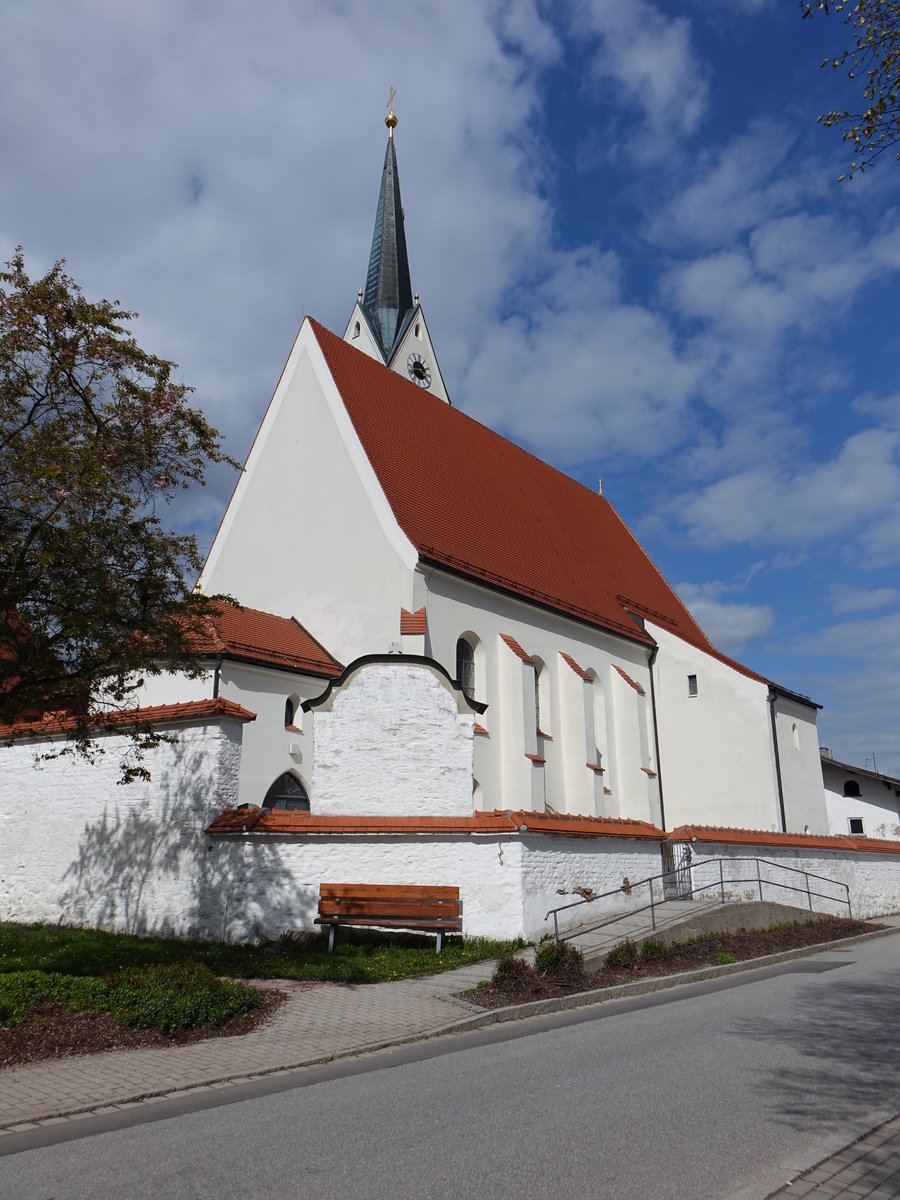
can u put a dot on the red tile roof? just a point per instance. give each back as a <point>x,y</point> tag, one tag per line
<point>516,648</point>
<point>631,683</point>
<point>255,636</point>
<point>472,501</point>
<point>579,671</point>
<point>155,714</point>
<point>412,622</point>
<point>760,837</point>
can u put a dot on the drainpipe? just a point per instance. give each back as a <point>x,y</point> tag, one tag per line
<point>659,777</point>
<point>218,668</point>
<point>771,699</point>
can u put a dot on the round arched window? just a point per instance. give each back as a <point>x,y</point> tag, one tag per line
<point>287,792</point>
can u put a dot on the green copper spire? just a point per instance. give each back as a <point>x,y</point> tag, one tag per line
<point>388,298</point>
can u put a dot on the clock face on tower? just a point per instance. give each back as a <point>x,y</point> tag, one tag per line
<point>419,370</point>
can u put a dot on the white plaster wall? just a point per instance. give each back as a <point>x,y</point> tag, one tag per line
<point>308,531</point>
<point>455,606</point>
<point>877,803</point>
<point>801,767</point>
<point>269,749</point>
<point>77,848</point>
<point>551,864</point>
<point>718,763</point>
<point>392,741</point>
<point>873,879</point>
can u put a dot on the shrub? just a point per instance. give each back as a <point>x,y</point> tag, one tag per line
<point>177,997</point>
<point>550,956</point>
<point>652,948</point>
<point>723,957</point>
<point>511,973</point>
<point>622,956</point>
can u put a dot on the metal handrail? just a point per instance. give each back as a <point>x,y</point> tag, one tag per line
<point>720,883</point>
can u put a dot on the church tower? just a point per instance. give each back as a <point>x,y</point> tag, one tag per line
<point>387,322</point>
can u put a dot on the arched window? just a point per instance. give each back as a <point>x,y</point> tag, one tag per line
<point>288,712</point>
<point>356,330</point>
<point>465,667</point>
<point>851,788</point>
<point>287,792</point>
<point>795,734</point>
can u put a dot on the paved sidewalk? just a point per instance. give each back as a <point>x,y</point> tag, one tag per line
<point>867,1169</point>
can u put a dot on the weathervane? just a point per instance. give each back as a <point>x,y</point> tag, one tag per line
<point>390,120</point>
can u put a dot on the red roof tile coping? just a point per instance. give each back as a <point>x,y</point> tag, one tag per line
<point>648,771</point>
<point>595,767</point>
<point>580,671</point>
<point>250,634</point>
<point>536,758</point>
<point>631,683</point>
<point>155,714</point>
<point>760,837</point>
<point>481,729</point>
<point>246,820</point>
<point>412,622</point>
<point>516,648</point>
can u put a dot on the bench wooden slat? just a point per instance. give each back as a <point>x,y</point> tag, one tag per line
<point>391,923</point>
<point>399,908</point>
<point>402,891</point>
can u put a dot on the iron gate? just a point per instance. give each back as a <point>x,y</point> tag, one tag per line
<point>676,863</point>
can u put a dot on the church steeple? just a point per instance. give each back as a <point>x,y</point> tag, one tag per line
<point>388,298</point>
<point>387,322</point>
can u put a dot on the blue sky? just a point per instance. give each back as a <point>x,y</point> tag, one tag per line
<point>625,226</point>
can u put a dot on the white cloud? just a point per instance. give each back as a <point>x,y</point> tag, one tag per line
<point>649,57</point>
<point>776,505</point>
<point>847,599</point>
<point>729,626</point>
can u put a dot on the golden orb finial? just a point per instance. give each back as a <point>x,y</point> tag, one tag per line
<point>390,120</point>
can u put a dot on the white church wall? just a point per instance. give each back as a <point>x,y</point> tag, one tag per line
<point>391,740</point>
<point>553,867</point>
<point>877,805</point>
<point>716,747</point>
<point>308,532</point>
<point>873,879</point>
<point>77,848</point>
<point>801,767</point>
<point>455,606</point>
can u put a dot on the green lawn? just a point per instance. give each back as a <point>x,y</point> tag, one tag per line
<point>358,957</point>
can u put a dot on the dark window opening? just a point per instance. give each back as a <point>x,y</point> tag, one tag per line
<point>288,712</point>
<point>856,825</point>
<point>465,668</point>
<point>287,792</point>
<point>851,788</point>
<point>692,685</point>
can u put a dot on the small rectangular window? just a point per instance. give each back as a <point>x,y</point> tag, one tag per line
<point>856,825</point>
<point>692,685</point>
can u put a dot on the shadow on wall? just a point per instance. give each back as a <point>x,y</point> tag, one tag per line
<point>146,866</point>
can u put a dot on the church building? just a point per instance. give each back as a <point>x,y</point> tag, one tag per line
<point>452,664</point>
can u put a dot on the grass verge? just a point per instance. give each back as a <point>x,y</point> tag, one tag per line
<point>358,957</point>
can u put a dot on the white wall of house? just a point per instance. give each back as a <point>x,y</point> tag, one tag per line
<point>607,719</point>
<point>801,766</point>
<point>716,747</point>
<point>394,738</point>
<point>877,806</point>
<point>269,748</point>
<point>308,532</point>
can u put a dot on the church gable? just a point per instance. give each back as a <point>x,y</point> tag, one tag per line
<point>308,529</point>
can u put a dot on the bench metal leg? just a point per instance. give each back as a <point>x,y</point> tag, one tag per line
<point>330,938</point>
<point>440,940</point>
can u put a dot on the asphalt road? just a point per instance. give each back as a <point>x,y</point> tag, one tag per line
<point>692,1094</point>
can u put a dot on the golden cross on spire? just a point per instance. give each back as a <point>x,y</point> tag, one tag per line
<point>390,120</point>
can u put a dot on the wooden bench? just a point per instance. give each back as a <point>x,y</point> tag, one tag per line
<point>430,909</point>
